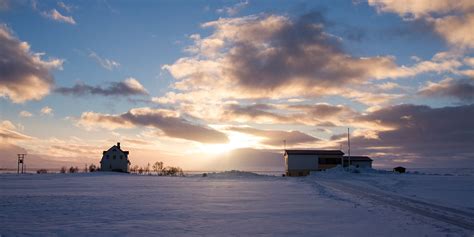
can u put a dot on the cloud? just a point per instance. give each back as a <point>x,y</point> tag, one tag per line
<point>414,9</point>
<point>452,20</point>
<point>25,114</point>
<point>23,75</point>
<point>67,7</point>
<point>323,110</point>
<point>235,9</point>
<point>55,15</point>
<point>388,86</point>
<point>8,131</point>
<point>51,152</point>
<point>4,5</point>
<point>259,113</point>
<point>420,134</point>
<point>46,110</point>
<point>276,137</point>
<point>321,114</point>
<point>273,56</point>
<point>128,87</point>
<point>108,64</point>
<point>457,30</point>
<point>169,122</point>
<point>462,89</point>
<point>469,61</point>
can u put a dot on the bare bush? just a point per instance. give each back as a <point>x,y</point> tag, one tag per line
<point>134,169</point>
<point>158,167</point>
<point>73,169</point>
<point>172,171</point>
<point>63,170</point>
<point>147,169</point>
<point>42,171</point>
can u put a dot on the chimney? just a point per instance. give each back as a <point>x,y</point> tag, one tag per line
<point>118,145</point>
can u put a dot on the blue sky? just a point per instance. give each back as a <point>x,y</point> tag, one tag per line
<point>121,74</point>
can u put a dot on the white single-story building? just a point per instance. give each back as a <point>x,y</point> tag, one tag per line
<point>302,162</point>
<point>115,159</point>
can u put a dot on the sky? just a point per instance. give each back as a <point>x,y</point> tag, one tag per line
<point>213,85</point>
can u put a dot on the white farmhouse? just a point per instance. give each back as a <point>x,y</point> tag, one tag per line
<point>115,159</point>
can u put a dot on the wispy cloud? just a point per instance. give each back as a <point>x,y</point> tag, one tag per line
<point>67,7</point>
<point>276,137</point>
<point>128,87</point>
<point>25,114</point>
<point>169,122</point>
<point>4,5</point>
<point>233,10</point>
<point>9,131</point>
<point>46,110</point>
<point>57,16</point>
<point>106,63</point>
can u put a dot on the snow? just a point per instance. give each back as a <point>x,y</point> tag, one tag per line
<point>449,187</point>
<point>228,203</point>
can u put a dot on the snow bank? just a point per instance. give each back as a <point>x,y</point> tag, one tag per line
<point>232,174</point>
<point>449,190</point>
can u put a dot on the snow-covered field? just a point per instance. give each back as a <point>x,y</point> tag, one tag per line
<point>234,203</point>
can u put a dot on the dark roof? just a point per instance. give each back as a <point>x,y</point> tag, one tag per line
<point>314,152</point>
<point>358,158</point>
<point>115,146</point>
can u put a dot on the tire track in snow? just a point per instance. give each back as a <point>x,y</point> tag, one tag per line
<point>448,215</point>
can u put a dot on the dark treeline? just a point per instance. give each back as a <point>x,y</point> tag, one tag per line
<point>157,168</point>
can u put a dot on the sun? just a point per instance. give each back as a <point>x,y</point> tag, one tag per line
<point>236,140</point>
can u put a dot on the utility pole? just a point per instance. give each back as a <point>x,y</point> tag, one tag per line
<point>349,145</point>
<point>21,160</point>
<point>342,158</point>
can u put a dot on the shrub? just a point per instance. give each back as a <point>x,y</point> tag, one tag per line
<point>158,167</point>
<point>147,169</point>
<point>63,170</point>
<point>42,171</point>
<point>134,169</point>
<point>92,168</point>
<point>172,171</point>
<point>73,169</point>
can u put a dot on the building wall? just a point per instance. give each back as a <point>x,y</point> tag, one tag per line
<point>301,163</point>
<point>361,164</point>
<point>329,161</point>
<point>298,172</point>
<point>114,160</point>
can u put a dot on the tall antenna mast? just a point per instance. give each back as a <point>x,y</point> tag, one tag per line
<point>349,145</point>
<point>342,158</point>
